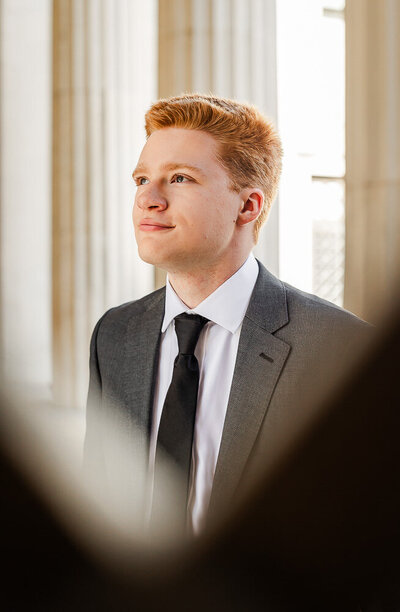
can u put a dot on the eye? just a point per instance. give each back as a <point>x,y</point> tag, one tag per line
<point>179,178</point>
<point>141,180</point>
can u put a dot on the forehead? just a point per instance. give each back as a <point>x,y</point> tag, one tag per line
<point>178,145</point>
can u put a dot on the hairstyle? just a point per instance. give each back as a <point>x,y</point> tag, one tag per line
<point>249,146</point>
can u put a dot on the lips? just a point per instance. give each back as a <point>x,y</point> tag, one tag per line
<point>148,225</point>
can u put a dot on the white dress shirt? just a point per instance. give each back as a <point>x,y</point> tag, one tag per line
<point>216,352</point>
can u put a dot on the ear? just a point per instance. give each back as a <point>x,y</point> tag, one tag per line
<point>253,201</point>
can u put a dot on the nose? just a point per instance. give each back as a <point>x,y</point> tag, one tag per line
<point>149,197</point>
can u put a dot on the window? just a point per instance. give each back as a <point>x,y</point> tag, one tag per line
<point>311,119</point>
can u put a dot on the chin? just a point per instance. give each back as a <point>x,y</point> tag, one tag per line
<point>153,257</point>
<point>170,263</point>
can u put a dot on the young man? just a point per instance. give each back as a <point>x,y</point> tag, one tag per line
<point>251,349</point>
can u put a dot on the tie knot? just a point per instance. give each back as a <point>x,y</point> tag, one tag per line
<point>188,328</point>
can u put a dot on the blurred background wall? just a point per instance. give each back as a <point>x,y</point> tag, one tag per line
<point>76,77</point>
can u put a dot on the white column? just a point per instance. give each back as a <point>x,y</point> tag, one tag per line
<point>103,80</point>
<point>225,47</point>
<point>373,155</point>
<point>25,172</point>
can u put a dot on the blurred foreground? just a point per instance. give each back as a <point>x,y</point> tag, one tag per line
<point>318,530</point>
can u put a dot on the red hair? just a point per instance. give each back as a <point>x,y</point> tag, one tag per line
<point>249,146</point>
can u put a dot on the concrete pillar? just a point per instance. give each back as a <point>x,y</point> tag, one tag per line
<point>373,155</point>
<point>104,67</point>
<point>225,47</point>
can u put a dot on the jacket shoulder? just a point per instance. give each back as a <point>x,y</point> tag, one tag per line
<point>313,309</point>
<point>116,319</point>
<point>278,305</point>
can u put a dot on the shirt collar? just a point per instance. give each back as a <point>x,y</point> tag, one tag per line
<point>226,306</point>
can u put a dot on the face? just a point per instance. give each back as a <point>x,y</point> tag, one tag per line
<point>185,210</point>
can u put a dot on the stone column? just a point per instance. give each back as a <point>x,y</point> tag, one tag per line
<point>225,47</point>
<point>104,60</point>
<point>373,155</point>
<point>25,173</point>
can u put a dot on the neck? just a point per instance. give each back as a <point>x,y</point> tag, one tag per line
<point>194,286</point>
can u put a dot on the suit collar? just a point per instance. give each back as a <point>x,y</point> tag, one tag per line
<point>268,303</point>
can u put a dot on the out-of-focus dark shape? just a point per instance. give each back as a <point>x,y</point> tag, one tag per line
<point>322,532</point>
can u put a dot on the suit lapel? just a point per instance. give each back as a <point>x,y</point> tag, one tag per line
<point>260,359</point>
<point>141,351</point>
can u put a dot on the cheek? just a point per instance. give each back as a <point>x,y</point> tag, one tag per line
<point>223,217</point>
<point>134,211</point>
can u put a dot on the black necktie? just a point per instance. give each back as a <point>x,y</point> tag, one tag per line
<point>175,434</point>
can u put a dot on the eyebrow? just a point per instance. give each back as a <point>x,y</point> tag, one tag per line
<point>141,169</point>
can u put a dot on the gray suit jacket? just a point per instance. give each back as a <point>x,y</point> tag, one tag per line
<point>291,342</point>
